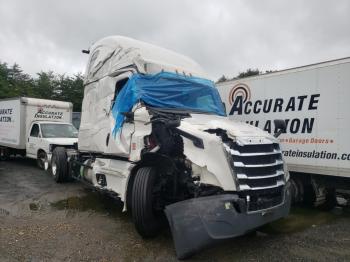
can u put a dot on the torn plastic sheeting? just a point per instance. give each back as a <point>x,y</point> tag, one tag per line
<point>167,90</point>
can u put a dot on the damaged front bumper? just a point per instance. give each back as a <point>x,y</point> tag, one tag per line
<point>200,222</point>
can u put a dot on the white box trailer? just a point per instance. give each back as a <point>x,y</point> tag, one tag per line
<point>29,126</point>
<point>314,102</point>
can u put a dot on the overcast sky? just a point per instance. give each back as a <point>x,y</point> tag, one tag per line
<point>225,37</point>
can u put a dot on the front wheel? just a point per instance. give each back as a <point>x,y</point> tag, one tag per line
<point>59,165</point>
<point>146,219</point>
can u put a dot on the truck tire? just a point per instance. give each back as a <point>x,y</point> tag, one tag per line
<point>41,159</point>
<point>4,153</point>
<point>146,221</point>
<point>331,200</point>
<point>59,165</point>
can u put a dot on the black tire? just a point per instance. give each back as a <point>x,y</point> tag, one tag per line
<point>331,200</point>
<point>146,220</point>
<point>59,165</point>
<point>4,154</point>
<point>41,159</point>
<point>310,198</point>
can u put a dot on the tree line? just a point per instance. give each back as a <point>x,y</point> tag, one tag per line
<point>247,73</point>
<point>47,85</point>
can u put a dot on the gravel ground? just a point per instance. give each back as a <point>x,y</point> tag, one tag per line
<point>44,221</point>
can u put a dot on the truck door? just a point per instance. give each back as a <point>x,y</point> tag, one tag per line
<point>120,143</point>
<point>33,141</point>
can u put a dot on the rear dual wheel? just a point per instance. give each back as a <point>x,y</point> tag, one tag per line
<point>329,202</point>
<point>4,153</point>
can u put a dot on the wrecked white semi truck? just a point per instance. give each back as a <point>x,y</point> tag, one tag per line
<point>33,127</point>
<point>154,132</point>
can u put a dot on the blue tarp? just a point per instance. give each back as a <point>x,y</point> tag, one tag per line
<point>170,91</point>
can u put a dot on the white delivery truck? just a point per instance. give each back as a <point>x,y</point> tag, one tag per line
<point>154,132</point>
<point>314,102</point>
<point>34,127</point>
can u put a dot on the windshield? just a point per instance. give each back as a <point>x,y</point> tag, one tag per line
<point>168,91</point>
<point>59,131</point>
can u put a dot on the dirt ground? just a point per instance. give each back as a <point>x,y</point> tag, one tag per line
<point>44,221</point>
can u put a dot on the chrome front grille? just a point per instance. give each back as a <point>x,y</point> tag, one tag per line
<point>259,172</point>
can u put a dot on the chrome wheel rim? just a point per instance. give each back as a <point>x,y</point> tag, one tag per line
<point>54,168</point>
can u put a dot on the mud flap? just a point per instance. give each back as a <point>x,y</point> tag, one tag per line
<point>201,222</point>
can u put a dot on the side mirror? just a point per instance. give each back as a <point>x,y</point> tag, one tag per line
<point>280,127</point>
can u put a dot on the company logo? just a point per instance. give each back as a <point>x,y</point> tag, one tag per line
<point>241,90</point>
<point>46,114</point>
<point>40,109</point>
<point>6,114</point>
<point>241,104</point>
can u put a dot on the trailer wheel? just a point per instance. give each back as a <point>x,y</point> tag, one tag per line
<point>4,153</point>
<point>59,165</point>
<point>331,200</point>
<point>41,159</point>
<point>145,218</point>
<point>328,200</point>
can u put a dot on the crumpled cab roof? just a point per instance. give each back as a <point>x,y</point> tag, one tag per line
<point>115,55</point>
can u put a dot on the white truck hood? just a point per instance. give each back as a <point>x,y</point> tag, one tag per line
<point>212,155</point>
<point>61,141</point>
<point>203,122</point>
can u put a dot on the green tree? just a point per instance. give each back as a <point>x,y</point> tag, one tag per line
<point>222,79</point>
<point>70,89</point>
<point>4,84</point>
<point>248,72</point>
<point>45,85</point>
<point>13,82</point>
<point>20,84</point>
<point>77,91</point>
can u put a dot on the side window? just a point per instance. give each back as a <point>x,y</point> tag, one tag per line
<point>35,131</point>
<point>118,87</point>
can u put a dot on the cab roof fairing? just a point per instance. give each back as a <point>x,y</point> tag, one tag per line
<point>114,55</point>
